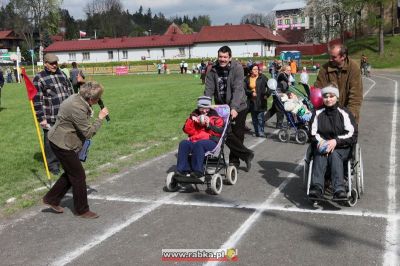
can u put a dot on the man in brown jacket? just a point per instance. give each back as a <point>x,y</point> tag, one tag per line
<point>345,73</point>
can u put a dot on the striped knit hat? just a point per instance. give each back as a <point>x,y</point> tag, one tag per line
<point>204,102</point>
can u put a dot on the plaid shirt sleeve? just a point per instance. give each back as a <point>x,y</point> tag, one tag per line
<point>53,89</point>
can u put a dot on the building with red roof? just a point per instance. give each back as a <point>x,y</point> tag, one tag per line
<point>9,40</point>
<point>244,40</point>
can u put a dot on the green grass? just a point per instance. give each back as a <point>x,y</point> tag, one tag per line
<point>369,47</point>
<point>147,111</point>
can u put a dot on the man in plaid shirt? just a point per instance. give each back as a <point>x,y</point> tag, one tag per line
<point>53,87</point>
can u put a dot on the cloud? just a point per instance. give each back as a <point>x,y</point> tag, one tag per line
<point>220,11</point>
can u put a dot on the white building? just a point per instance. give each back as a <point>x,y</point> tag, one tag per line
<point>244,40</point>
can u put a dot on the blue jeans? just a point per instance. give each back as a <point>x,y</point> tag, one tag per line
<point>258,119</point>
<point>335,161</point>
<point>198,150</point>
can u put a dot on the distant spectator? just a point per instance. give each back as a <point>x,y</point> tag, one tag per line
<point>15,74</point>
<point>9,75</point>
<point>293,67</point>
<point>159,67</point>
<point>1,82</point>
<point>77,77</point>
<point>185,67</point>
<point>65,70</point>
<point>165,68</point>
<point>181,66</point>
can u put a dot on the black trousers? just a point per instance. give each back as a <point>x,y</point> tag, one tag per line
<point>275,110</point>
<point>235,139</point>
<point>52,160</point>
<point>73,176</point>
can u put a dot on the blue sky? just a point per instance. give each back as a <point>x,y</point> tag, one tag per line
<point>220,11</point>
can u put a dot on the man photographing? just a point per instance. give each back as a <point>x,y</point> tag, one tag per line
<point>53,87</point>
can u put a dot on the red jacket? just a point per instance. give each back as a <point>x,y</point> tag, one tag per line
<point>198,132</point>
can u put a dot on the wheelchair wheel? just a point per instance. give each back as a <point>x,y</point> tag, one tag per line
<point>283,135</point>
<point>216,184</point>
<point>306,168</point>
<point>231,175</point>
<point>301,136</point>
<point>170,183</point>
<point>359,174</point>
<point>353,198</point>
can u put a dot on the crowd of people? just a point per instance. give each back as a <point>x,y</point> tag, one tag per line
<point>333,130</point>
<point>63,106</point>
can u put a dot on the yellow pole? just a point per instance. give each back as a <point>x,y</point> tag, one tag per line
<point>40,140</point>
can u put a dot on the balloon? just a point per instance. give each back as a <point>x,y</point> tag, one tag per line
<point>316,97</point>
<point>272,84</point>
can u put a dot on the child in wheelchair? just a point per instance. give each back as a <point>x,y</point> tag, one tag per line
<point>204,128</point>
<point>333,133</point>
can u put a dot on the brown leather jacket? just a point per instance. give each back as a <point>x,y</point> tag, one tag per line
<point>349,81</point>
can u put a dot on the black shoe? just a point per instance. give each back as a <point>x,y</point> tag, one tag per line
<point>339,195</point>
<point>55,171</point>
<point>196,175</point>
<point>179,174</point>
<point>248,161</point>
<point>234,164</point>
<point>315,193</point>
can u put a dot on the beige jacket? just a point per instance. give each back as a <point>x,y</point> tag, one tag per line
<point>73,125</point>
<point>349,81</point>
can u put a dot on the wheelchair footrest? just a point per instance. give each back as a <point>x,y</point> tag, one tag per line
<point>189,179</point>
<point>328,199</point>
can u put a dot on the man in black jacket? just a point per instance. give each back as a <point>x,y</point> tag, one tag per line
<point>224,82</point>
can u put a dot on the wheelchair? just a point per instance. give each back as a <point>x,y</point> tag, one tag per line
<point>353,177</point>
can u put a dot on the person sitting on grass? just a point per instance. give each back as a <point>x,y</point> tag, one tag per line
<point>204,128</point>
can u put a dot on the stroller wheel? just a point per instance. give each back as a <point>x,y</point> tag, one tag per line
<point>170,182</point>
<point>301,136</point>
<point>283,135</point>
<point>231,175</point>
<point>216,184</point>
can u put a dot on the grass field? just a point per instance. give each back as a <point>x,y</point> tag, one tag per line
<point>147,114</point>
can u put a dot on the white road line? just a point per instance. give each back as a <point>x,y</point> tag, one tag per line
<point>392,243</point>
<point>252,206</point>
<point>373,84</point>
<point>242,230</point>
<point>70,256</point>
<point>112,230</point>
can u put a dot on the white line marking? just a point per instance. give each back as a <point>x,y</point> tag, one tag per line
<point>242,230</point>
<point>374,83</point>
<point>392,244</point>
<point>114,229</point>
<point>251,206</point>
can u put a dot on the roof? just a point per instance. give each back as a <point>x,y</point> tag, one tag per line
<point>173,29</point>
<point>123,43</point>
<point>243,32</point>
<point>8,34</point>
<point>290,5</point>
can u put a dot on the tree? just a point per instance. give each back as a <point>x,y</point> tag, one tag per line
<point>259,19</point>
<point>34,16</point>
<point>186,29</point>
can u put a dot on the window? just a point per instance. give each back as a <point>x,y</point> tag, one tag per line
<point>295,20</point>
<point>72,56</point>
<point>124,54</point>
<point>287,21</point>
<point>110,55</point>
<point>148,53</point>
<point>311,22</point>
<point>303,20</point>
<point>182,51</point>
<point>163,52</point>
<point>86,56</point>
<point>279,21</point>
